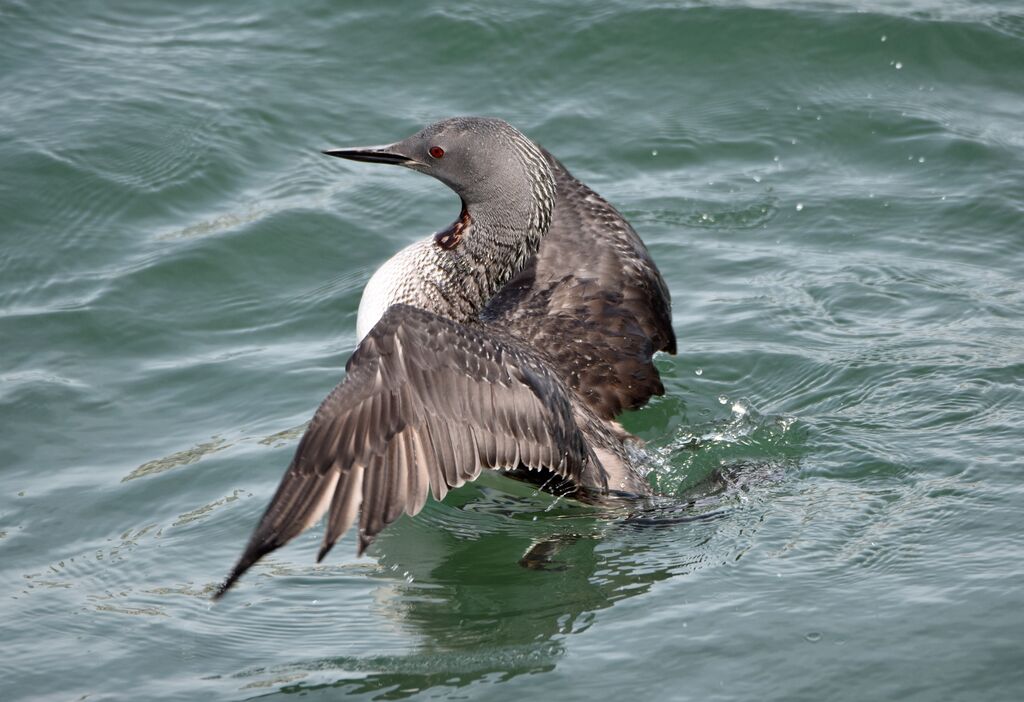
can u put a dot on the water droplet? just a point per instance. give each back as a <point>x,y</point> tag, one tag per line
<point>792,141</point>
<point>920,160</point>
<point>722,399</point>
<point>699,371</point>
<point>813,636</point>
<point>738,409</point>
<point>898,65</point>
<point>799,206</point>
<point>943,197</point>
<point>757,179</point>
<point>884,37</point>
<point>818,118</point>
<point>654,152</point>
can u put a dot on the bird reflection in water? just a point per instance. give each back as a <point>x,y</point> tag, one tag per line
<point>498,595</point>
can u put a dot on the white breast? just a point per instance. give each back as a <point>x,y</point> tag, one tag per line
<point>398,280</point>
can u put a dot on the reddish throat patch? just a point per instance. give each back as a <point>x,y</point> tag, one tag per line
<point>451,237</point>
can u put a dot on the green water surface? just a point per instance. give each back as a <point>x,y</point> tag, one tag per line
<point>834,192</point>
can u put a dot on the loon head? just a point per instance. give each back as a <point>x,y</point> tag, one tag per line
<point>508,192</point>
<point>500,174</point>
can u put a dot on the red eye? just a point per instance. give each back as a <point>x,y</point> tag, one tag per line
<point>436,151</point>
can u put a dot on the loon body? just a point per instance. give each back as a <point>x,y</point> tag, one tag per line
<point>508,341</point>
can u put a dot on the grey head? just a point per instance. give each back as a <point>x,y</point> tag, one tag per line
<point>502,177</point>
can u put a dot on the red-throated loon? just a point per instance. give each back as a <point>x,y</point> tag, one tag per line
<point>508,341</point>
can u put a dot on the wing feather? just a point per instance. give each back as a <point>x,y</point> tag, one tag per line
<point>426,404</point>
<point>348,495</point>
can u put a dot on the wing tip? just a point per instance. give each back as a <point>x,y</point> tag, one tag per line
<point>222,590</point>
<point>244,563</point>
<point>324,550</point>
<point>364,543</point>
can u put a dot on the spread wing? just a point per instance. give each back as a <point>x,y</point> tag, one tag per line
<point>426,404</point>
<point>593,300</point>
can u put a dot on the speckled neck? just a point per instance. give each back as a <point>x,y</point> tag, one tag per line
<point>458,270</point>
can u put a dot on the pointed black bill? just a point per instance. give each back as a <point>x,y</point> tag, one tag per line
<point>371,154</point>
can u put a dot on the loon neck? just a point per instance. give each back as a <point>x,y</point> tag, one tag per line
<point>478,254</point>
<point>457,271</point>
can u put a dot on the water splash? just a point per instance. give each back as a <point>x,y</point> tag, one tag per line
<point>733,451</point>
